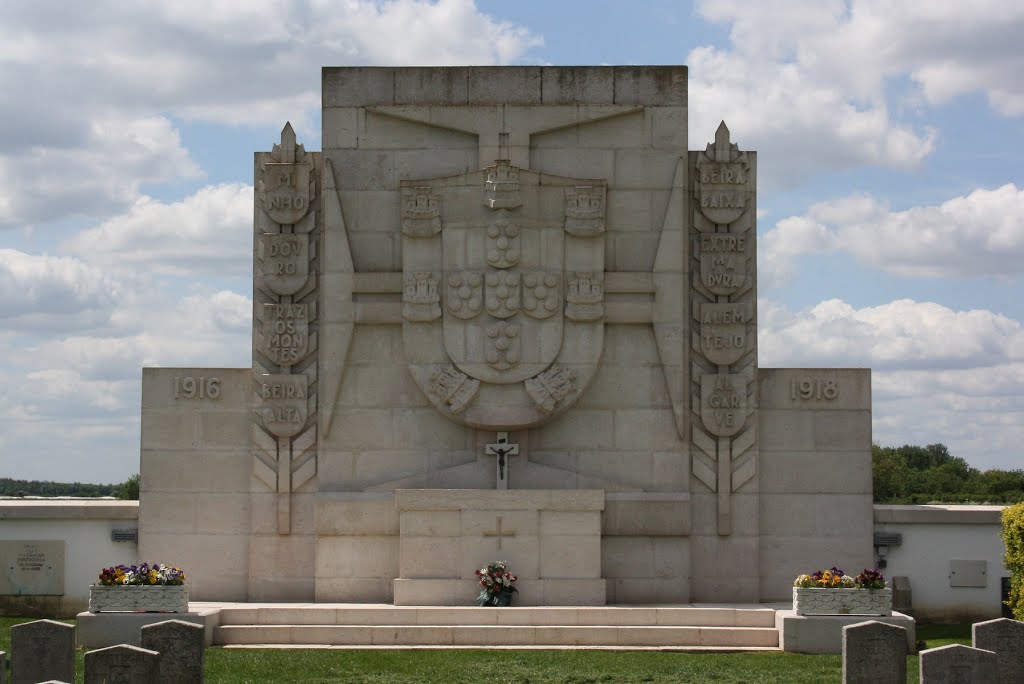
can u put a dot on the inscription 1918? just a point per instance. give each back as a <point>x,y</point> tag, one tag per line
<point>813,388</point>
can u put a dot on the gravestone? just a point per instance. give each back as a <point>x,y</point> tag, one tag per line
<point>43,649</point>
<point>181,647</point>
<point>957,664</point>
<point>874,653</point>
<point>505,279</point>
<point>1005,638</point>
<point>123,664</point>
<point>3,667</point>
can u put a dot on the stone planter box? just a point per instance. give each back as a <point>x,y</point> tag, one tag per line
<point>135,598</point>
<point>842,601</point>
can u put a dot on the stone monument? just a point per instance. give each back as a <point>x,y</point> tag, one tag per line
<point>505,314</point>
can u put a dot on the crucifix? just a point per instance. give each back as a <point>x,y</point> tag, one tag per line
<point>501,449</point>
<point>499,534</point>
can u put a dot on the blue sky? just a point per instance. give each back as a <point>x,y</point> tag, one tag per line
<point>891,196</point>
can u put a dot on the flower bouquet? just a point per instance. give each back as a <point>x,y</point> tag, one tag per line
<point>496,582</point>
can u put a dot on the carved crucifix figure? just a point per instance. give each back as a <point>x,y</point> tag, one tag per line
<point>502,449</point>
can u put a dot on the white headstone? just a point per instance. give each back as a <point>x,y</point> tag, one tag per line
<point>44,649</point>
<point>181,649</point>
<point>1006,639</point>
<point>957,664</point>
<point>874,653</point>
<point>123,664</point>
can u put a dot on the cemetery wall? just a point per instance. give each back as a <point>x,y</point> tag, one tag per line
<point>953,556</point>
<point>84,528</point>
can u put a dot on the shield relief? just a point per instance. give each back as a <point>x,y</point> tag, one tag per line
<point>501,252</point>
<point>284,191</point>
<point>285,262</point>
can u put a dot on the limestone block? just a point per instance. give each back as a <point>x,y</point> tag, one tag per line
<point>632,251</point>
<point>825,389</point>
<point>576,85</point>
<point>169,429</point>
<point>264,512</point>
<point>432,86</point>
<point>630,210</point>
<point>744,508</point>
<point>374,345</point>
<point>164,470</point>
<point>281,556</point>
<point>816,515</point>
<point>421,426</point>
<point>847,472</point>
<point>431,523</point>
<point>385,132</point>
<point>724,569</point>
<point>376,467</point>
<point>668,127</point>
<point>222,513</point>
<point>351,557</point>
<point>570,556</point>
<point>351,514</point>
<point>645,168</point>
<point>842,430</point>
<point>354,589</point>
<point>160,391</point>
<point>651,86</point>
<point>520,85</point>
<point>358,86</point>
<point>521,553</point>
<point>630,590</point>
<point>824,633</point>
<point>362,169</point>
<point>429,557</point>
<point>627,557</point>
<point>504,500</point>
<point>364,429</point>
<point>577,428</point>
<point>223,430</point>
<point>783,557</point>
<point>414,164</point>
<point>369,387</point>
<point>374,252</point>
<point>630,468</point>
<point>573,592</point>
<point>374,210</point>
<point>616,386</point>
<point>646,429</point>
<point>785,431</point>
<point>575,163</point>
<point>670,471</point>
<point>340,127</point>
<point>630,346</point>
<point>478,522</point>
<point>570,523</point>
<point>167,513</point>
<point>646,514</point>
<point>627,130</point>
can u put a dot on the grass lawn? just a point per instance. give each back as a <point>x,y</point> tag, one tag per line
<point>238,666</point>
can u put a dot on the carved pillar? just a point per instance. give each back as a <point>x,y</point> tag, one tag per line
<point>723,380</point>
<point>285,265</point>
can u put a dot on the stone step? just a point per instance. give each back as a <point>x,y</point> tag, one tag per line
<point>355,614</point>
<point>497,635</point>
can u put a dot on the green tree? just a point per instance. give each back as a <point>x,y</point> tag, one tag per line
<point>129,489</point>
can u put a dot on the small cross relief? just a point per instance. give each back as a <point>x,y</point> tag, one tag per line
<point>499,533</point>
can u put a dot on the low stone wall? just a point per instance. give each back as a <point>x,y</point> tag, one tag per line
<point>57,547</point>
<point>953,556</point>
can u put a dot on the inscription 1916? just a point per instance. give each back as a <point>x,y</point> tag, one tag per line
<point>190,387</point>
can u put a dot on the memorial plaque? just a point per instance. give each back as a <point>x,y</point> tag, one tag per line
<point>32,568</point>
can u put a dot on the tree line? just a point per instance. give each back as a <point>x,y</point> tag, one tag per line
<point>128,490</point>
<point>930,474</point>
<point>902,475</point>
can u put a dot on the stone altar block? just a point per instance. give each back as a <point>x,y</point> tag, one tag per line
<point>551,540</point>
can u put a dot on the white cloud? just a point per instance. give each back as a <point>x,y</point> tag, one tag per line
<point>938,375</point>
<point>903,334</point>
<point>980,234</point>
<point>52,294</point>
<point>95,87</point>
<point>207,233</point>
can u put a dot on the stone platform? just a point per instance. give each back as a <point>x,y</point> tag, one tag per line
<point>697,627</point>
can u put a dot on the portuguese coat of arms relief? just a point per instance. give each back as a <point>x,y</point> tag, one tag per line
<point>503,321</point>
